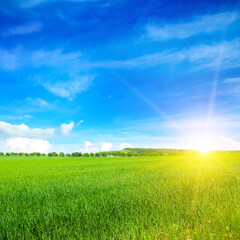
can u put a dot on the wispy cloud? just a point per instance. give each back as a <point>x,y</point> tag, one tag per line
<point>68,89</point>
<point>31,3</point>
<point>18,57</point>
<point>201,24</point>
<point>232,80</point>
<point>52,58</point>
<point>72,82</point>
<point>24,29</point>
<point>37,102</point>
<point>200,56</point>
<point>81,121</point>
<point>9,60</point>
<point>231,86</point>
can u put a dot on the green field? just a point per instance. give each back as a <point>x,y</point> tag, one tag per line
<point>166,197</point>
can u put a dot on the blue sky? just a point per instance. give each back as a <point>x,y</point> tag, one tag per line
<point>94,75</point>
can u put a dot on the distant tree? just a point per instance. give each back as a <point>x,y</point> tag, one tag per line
<point>77,154</point>
<point>13,154</point>
<point>68,155</point>
<point>7,154</point>
<point>129,154</point>
<point>38,154</point>
<point>55,154</point>
<point>20,154</point>
<point>86,155</point>
<point>160,153</point>
<point>1,154</point>
<point>122,154</point>
<point>98,154</point>
<point>91,154</point>
<point>112,153</point>
<point>50,154</point>
<point>61,154</point>
<point>43,154</point>
<point>26,154</point>
<point>116,153</point>
<point>104,154</point>
<point>134,153</point>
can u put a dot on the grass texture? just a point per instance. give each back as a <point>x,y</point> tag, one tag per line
<point>168,197</point>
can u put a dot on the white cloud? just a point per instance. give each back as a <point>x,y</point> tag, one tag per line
<point>125,145</point>
<point>96,147</point>
<point>200,24</point>
<point>87,146</point>
<point>37,102</point>
<point>68,89</point>
<point>66,128</point>
<point>22,130</point>
<point>223,143</point>
<point>19,144</point>
<point>81,121</point>
<point>105,146</point>
<point>24,29</point>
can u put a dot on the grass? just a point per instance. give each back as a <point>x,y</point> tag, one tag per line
<point>170,197</point>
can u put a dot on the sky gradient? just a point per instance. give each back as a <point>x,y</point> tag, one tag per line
<point>97,75</point>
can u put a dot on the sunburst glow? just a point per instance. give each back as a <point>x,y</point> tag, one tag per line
<point>202,143</point>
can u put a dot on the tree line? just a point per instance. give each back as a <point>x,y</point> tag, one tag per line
<point>123,153</point>
<point>53,154</point>
<point>74,154</point>
<point>62,154</point>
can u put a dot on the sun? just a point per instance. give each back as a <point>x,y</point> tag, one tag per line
<point>201,143</point>
<point>203,149</point>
